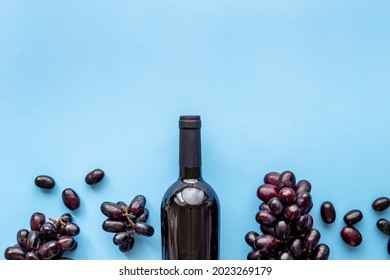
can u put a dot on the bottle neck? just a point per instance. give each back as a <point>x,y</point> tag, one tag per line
<point>190,158</point>
<point>190,173</point>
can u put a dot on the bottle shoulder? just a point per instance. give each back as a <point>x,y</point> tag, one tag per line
<point>191,191</point>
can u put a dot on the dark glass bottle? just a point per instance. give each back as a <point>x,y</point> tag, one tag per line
<point>190,207</point>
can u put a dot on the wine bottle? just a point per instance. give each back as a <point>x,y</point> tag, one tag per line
<point>190,207</point>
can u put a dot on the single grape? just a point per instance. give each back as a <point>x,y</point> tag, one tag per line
<point>267,191</point>
<point>32,256</point>
<point>311,239</point>
<point>320,252</point>
<point>14,253</point>
<point>71,229</point>
<point>271,178</point>
<point>300,225</point>
<point>143,217</point>
<point>310,222</point>
<point>66,243</point>
<point>282,230</point>
<point>44,182</point>
<point>256,255</point>
<point>265,242</point>
<point>381,203</point>
<point>328,213</point>
<point>304,202</point>
<point>267,229</point>
<point>121,237</point>
<point>94,177</point>
<point>71,199</point>
<point>34,240</point>
<point>37,220</point>
<point>66,218</point>
<point>122,203</point>
<point>291,212</point>
<point>21,238</point>
<point>275,206</point>
<point>250,238</point>
<point>384,226</point>
<point>352,217</point>
<point>264,206</point>
<point>302,186</point>
<point>49,231</point>
<point>286,179</point>
<point>114,226</point>
<point>112,210</point>
<point>265,217</point>
<point>137,205</point>
<point>351,236</point>
<point>144,229</point>
<point>127,246</point>
<point>285,255</point>
<point>287,195</point>
<point>49,250</point>
<point>296,248</point>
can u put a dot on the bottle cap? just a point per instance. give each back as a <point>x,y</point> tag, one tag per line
<point>190,121</point>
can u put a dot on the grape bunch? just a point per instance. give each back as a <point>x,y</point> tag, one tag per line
<point>286,225</point>
<point>126,221</point>
<point>46,240</point>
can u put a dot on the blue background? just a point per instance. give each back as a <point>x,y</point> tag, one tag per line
<point>280,85</point>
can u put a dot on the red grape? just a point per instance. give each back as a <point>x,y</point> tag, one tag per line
<point>275,206</point>
<point>121,237</point>
<point>381,203</point>
<point>267,191</point>
<point>250,238</point>
<point>21,238</point>
<point>144,229</point>
<point>282,230</point>
<point>291,212</point>
<point>311,239</point>
<point>37,220</point>
<point>302,186</point>
<point>287,195</point>
<point>112,210</point>
<point>265,242</point>
<point>271,178</point>
<point>114,226</point>
<point>352,217</point>
<point>15,253</point>
<point>384,226</point>
<point>286,179</point>
<point>49,250</point>
<point>320,252</point>
<point>127,245</point>
<point>94,177</point>
<point>328,213</point>
<point>351,236</point>
<point>44,182</point>
<point>265,217</point>
<point>71,199</point>
<point>304,202</point>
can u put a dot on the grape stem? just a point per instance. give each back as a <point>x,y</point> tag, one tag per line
<point>58,222</point>
<point>126,214</point>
